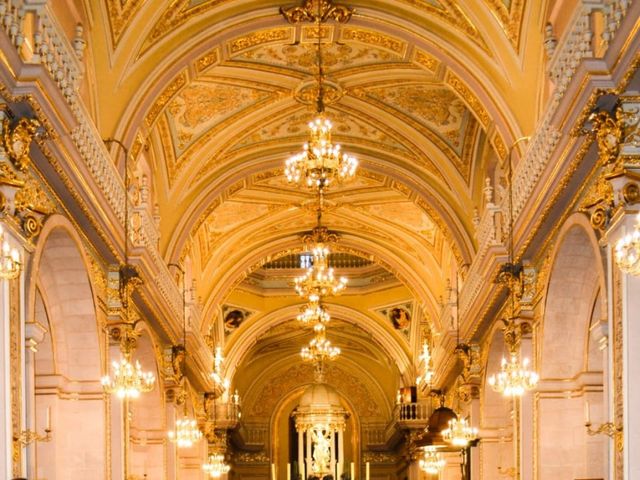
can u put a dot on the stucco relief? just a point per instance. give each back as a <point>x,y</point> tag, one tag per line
<point>279,386</point>
<point>407,215</point>
<point>436,107</point>
<point>304,56</point>
<point>345,126</point>
<point>201,106</point>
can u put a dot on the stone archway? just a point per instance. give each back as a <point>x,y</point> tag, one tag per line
<point>67,367</point>
<point>572,368</point>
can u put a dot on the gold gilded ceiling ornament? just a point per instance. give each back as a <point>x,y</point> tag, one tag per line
<point>317,11</point>
<point>515,377</point>
<point>320,163</point>
<point>17,140</point>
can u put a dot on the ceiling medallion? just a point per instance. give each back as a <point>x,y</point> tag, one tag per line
<point>317,11</point>
<point>307,93</point>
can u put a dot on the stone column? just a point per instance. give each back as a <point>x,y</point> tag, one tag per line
<point>34,335</point>
<point>614,211</point>
<point>172,451</point>
<point>300,451</point>
<point>625,309</point>
<point>5,385</point>
<point>525,419</point>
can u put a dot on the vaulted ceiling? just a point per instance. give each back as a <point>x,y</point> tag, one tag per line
<point>214,95</point>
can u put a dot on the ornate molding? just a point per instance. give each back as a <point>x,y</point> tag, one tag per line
<point>21,197</point>
<point>317,11</point>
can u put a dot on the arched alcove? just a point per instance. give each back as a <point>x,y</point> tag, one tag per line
<point>571,365</point>
<point>67,366</point>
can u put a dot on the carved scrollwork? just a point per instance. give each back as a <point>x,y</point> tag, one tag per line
<point>317,11</point>
<point>31,225</point>
<point>17,140</point>
<point>631,193</point>
<point>320,235</point>
<point>21,196</point>
<point>608,130</point>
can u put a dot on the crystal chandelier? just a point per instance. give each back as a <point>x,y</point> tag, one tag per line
<point>459,432</point>
<point>128,381</point>
<point>321,162</point>
<point>427,372</point>
<point>314,312</point>
<point>320,348</point>
<point>186,433</point>
<point>319,280</point>
<point>10,265</point>
<point>431,463</point>
<point>514,378</point>
<point>627,251</point>
<point>215,466</point>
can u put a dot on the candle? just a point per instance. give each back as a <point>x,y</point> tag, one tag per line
<point>353,471</point>
<point>339,469</point>
<point>273,471</point>
<point>367,470</point>
<point>288,471</point>
<point>587,414</point>
<point>304,471</point>
<point>48,419</point>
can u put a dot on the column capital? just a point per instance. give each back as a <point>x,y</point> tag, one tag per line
<point>34,334</point>
<point>616,191</point>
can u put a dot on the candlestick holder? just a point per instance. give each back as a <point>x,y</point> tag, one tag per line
<point>608,429</point>
<point>27,437</point>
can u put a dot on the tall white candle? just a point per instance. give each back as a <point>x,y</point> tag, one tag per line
<point>273,471</point>
<point>288,471</point>
<point>353,471</point>
<point>587,413</point>
<point>367,470</point>
<point>48,419</point>
<point>304,471</point>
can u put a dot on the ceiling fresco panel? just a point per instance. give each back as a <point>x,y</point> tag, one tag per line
<point>203,105</point>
